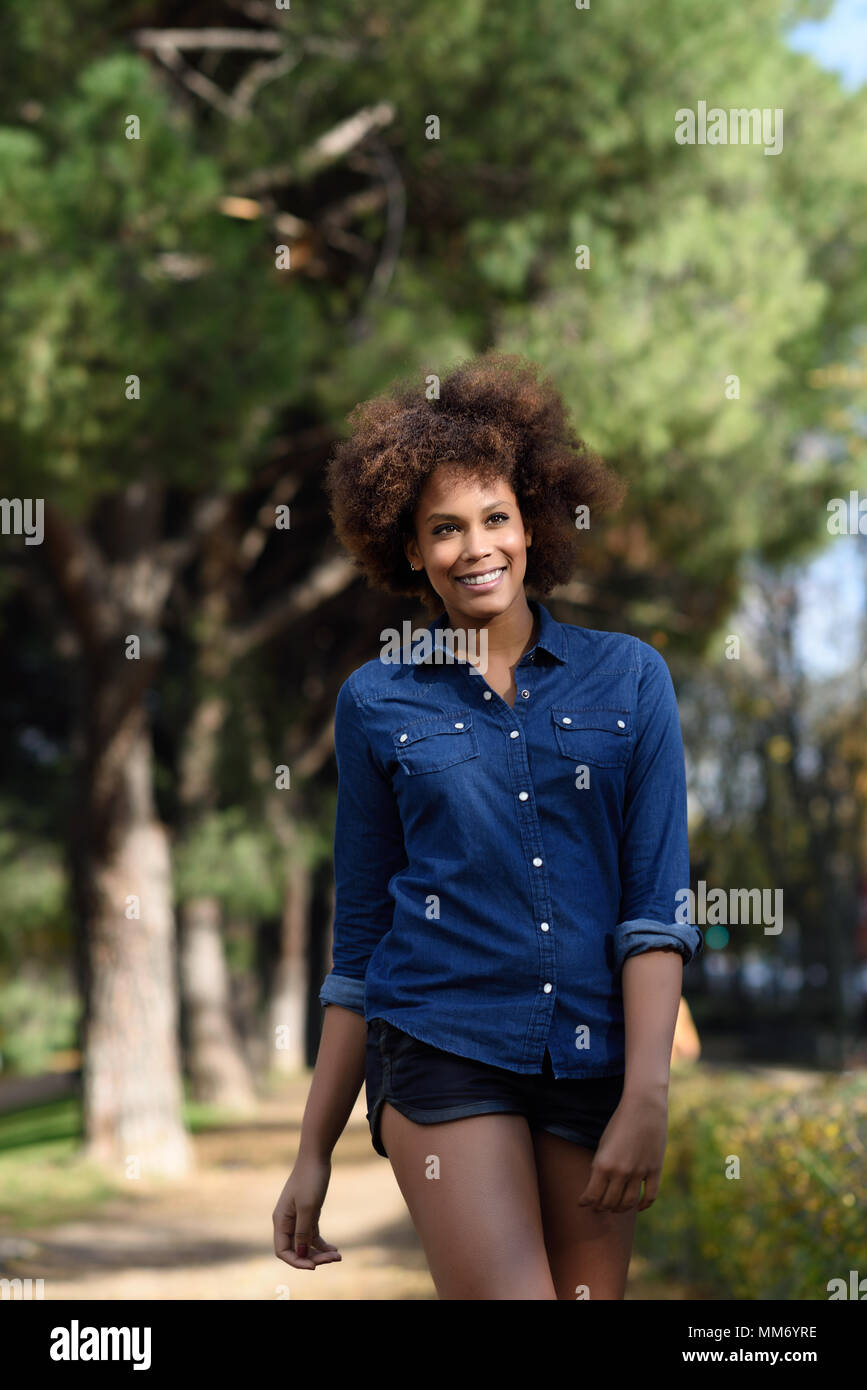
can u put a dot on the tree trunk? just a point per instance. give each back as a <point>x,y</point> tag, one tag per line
<point>131,1068</point>
<point>288,1006</point>
<point>215,1059</point>
<point>218,1070</point>
<point>132,1091</point>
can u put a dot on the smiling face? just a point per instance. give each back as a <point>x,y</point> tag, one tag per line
<point>471,540</point>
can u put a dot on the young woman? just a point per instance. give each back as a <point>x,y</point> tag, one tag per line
<point>510,841</point>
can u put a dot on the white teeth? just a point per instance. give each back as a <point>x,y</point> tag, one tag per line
<point>482,578</point>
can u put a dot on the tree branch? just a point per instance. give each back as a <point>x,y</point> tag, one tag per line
<point>327,149</point>
<point>199,84</point>
<point>208,513</point>
<point>226,39</point>
<point>83,578</point>
<point>253,541</point>
<point>258,75</point>
<point>327,579</point>
<point>389,251</point>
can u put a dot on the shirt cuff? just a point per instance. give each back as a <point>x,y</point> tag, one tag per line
<point>339,989</point>
<point>642,934</point>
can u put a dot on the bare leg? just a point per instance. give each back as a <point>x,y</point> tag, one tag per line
<point>585,1247</point>
<point>479,1220</point>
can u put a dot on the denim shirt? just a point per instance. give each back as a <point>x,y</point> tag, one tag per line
<point>495,866</point>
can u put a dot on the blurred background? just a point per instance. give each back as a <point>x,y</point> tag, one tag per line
<point>222,225</point>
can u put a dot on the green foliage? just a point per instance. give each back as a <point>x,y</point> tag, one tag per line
<point>38,1018</point>
<point>33,890</point>
<point>237,862</point>
<point>801,1188</point>
<point>707,261</point>
<point>121,264</point>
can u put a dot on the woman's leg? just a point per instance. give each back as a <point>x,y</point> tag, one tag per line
<point>585,1247</point>
<point>472,1192</point>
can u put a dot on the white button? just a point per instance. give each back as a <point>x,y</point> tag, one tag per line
<point>537,862</point>
<point>522,796</point>
<point>514,734</point>
<point>621,724</point>
<point>403,738</point>
<point>546,926</point>
<point>566,720</point>
<point>548,988</point>
<point>487,694</point>
<point>459,726</point>
<point>525,694</point>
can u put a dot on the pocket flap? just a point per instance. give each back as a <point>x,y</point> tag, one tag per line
<point>613,721</point>
<point>457,722</point>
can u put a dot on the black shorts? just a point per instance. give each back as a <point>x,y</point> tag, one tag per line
<point>430,1086</point>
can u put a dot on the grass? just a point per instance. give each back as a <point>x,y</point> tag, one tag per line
<point>44,1179</point>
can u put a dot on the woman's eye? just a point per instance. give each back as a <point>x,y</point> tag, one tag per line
<point>450,526</point>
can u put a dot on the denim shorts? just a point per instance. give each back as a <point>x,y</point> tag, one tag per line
<point>430,1086</point>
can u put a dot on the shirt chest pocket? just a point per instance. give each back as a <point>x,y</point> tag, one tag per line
<point>437,742</point>
<point>602,737</point>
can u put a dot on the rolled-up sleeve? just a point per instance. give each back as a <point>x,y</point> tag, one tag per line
<point>368,851</point>
<point>654,847</point>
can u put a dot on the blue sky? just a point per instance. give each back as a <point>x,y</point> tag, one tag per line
<point>832,587</point>
<point>838,42</point>
<point>832,594</point>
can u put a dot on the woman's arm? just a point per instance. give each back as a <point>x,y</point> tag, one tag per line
<point>652,986</point>
<point>651,946</point>
<point>337,1080</point>
<point>368,851</point>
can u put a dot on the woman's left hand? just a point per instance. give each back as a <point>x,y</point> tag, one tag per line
<point>630,1151</point>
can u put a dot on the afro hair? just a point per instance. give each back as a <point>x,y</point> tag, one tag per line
<point>494,418</point>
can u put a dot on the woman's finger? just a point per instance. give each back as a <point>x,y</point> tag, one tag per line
<point>612,1196</point>
<point>284,1227</point>
<point>631,1195</point>
<point>323,1253</point>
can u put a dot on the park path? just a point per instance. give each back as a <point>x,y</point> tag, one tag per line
<point>209,1235</point>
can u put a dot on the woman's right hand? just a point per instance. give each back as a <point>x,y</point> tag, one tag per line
<point>296,1216</point>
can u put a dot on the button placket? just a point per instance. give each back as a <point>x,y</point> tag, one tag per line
<point>540,891</point>
<point>541,907</point>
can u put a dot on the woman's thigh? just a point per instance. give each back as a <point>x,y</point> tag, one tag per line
<point>472,1192</point>
<point>588,1251</point>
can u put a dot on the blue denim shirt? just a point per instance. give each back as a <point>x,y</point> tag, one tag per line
<point>495,866</point>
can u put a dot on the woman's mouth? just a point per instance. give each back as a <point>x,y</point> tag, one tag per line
<point>484,582</point>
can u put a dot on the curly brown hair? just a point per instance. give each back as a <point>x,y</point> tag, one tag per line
<point>495,418</point>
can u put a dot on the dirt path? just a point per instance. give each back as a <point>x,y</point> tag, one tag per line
<point>209,1237</point>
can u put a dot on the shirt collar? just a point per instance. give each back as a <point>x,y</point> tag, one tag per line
<point>551,636</point>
